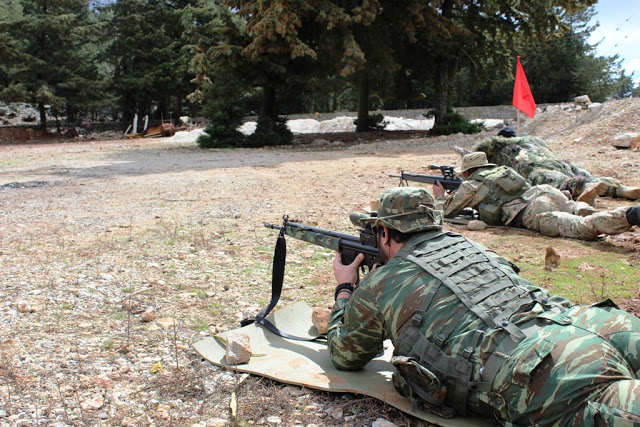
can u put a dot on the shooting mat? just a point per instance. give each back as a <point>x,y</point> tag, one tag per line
<point>307,363</point>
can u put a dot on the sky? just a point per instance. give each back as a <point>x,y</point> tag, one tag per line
<point>619,33</point>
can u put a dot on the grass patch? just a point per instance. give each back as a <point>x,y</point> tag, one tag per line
<point>588,278</point>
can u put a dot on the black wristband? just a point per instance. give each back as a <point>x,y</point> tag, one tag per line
<point>346,286</point>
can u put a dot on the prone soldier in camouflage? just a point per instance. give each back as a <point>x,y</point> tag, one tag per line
<point>472,337</point>
<point>533,159</point>
<point>503,197</point>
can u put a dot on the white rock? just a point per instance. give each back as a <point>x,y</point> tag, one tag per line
<point>625,140</point>
<point>238,348</point>
<point>583,100</point>
<point>476,225</point>
<point>381,422</point>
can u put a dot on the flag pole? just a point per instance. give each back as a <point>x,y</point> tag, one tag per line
<point>518,115</point>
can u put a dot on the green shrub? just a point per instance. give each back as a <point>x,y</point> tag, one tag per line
<point>270,133</point>
<point>376,122</point>
<point>453,123</point>
<point>223,109</point>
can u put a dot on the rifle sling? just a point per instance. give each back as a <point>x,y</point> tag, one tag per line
<point>277,277</point>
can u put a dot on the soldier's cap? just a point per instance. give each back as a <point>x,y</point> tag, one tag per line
<point>473,160</point>
<point>406,209</point>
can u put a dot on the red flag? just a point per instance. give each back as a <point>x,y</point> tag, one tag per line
<point>522,97</point>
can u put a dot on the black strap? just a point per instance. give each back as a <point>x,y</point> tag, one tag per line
<point>277,277</point>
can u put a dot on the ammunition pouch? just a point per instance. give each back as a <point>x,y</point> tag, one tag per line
<point>490,214</point>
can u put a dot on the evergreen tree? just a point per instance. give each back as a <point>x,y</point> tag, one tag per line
<point>48,64</point>
<point>148,57</point>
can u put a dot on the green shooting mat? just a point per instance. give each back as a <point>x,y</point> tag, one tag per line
<point>307,363</point>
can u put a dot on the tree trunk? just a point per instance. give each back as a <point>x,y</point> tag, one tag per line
<point>267,115</point>
<point>363,105</point>
<point>447,70</point>
<point>43,116</point>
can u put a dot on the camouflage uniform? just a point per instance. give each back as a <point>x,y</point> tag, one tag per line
<point>540,208</point>
<point>532,158</point>
<point>568,365</point>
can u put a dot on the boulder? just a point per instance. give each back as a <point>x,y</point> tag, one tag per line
<point>626,140</point>
<point>583,100</point>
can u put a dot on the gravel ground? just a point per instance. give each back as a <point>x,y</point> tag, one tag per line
<point>117,254</point>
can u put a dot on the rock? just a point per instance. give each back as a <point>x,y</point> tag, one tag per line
<point>148,316</point>
<point>217,422</point>
<point>626,140</point>
<point>551,259</point>
<point>319,142</point>
<point>381,422</point>
<point>238,348</point>
<point>274,420</point>
<point>335,412</point>
<point>476,225</point>
<point>24,307</point>
<point>320,318</point>
<point>166,322</point>
<point>583,100</point>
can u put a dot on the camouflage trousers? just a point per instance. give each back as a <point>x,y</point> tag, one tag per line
<point>551,213</point>
<point>582,369</point>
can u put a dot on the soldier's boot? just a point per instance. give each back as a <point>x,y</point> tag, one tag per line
<point>592,192</point>
<point>633,215</point>
<point>631,193</point>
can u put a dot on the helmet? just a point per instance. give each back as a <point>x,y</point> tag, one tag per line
<point>507,132</point>
<point>406,209</point>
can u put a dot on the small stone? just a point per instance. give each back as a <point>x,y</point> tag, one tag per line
<point>166,322</point>
<point>551,258</point>
<point>24,307</point>
<point>335,413</point>
<point>320,318</point>
<point>217,422</point>
<point>238,348</point>
<point>476,225</point>
<point>148,316</point>
<point>381,422</point>
<point>274,420</point>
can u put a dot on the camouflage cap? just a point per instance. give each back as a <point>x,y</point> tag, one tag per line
<point>474,160</point>
<point>407,209</point>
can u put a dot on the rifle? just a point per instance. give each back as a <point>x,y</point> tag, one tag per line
<point>449,180</point>
<point>348,245</point>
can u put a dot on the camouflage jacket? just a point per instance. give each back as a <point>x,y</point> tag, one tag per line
<point>387,298</point>
<point>603,385</point>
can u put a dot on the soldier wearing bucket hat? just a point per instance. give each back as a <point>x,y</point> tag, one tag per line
<point>471,337</point>
<point>503,197</point>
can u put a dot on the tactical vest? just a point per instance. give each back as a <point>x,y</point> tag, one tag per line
<point>486,288</point>
<point>505,185</point>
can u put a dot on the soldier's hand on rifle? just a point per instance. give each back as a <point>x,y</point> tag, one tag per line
<point>438,190</point>
<point>346,273</point>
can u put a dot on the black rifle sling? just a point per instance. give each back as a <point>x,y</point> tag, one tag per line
<point>277,278</point>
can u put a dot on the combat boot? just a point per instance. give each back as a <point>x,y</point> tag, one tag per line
<point>633,215</point>
<point>631,193</point>
<point>592,192</point>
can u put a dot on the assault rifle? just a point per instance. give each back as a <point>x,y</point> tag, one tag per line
<point>449,180</point>
<point>348,245</point>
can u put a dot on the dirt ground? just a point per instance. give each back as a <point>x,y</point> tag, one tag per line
<point>116,255</point>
